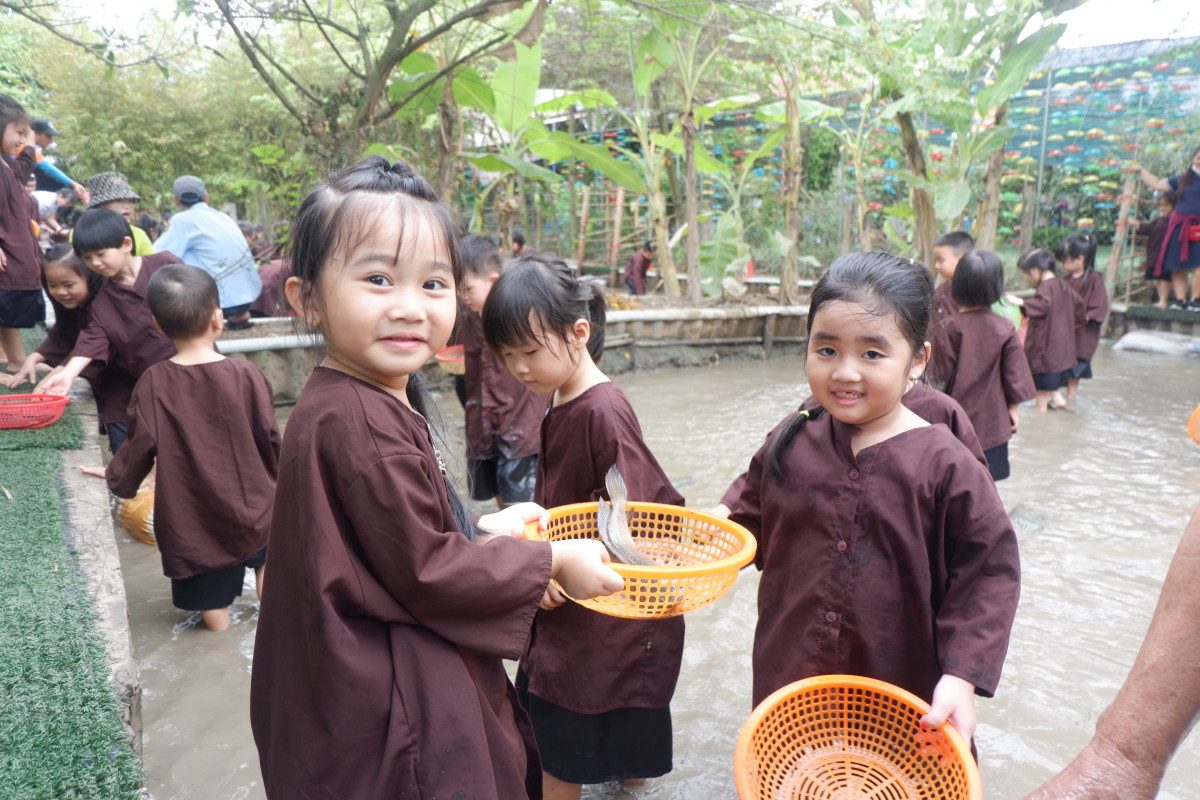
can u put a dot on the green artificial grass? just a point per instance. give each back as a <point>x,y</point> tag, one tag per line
<point>64,434</point>
<point>61,734</point>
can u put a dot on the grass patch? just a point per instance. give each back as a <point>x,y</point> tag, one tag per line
<point>64,434</point>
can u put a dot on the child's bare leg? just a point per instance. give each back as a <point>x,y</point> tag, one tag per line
<point>1043,401</point>
<point>1196,285</point>
<point>1179,282</point>
<point>217,619</point>
<point>13,347</point>
<point>258,581</point>
<point>1164,292</point>
<point>1072,389</point>
<point>554,789</point>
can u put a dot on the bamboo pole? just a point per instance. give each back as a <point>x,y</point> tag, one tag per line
<point>581,246</point>
<point>614,247</point>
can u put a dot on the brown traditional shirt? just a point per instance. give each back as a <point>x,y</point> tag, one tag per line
<point>978,358</point>
<point>503,418</point>
<point>1094,294</point>
<point>112,386</point>
<point>898,564</point>
<point>22,273</point>
<point>377,667</point>
<point>580,659</point>
<point>211,429</point>
<point>944,306</point>
<point>1053,314</point>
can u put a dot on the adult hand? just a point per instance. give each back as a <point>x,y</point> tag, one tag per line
<point>1102,772</point>
<point>81,192</point>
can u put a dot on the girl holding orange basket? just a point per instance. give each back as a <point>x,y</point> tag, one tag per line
<point>597,688</point>
<point>885,551</point>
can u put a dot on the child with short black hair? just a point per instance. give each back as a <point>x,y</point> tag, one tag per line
<point>947,250</point>
<point>977,358</point>
<point>1155,232</point>
<point>1077,254</point>
<point>1053,314</point>
<point>21,304</point>
<point>208,422</point>
<point>120,330</point>
<point>503,418</point>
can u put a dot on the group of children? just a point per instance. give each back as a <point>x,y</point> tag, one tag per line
<point>378,661</point>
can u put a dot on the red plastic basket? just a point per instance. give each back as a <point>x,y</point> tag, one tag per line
<point>30,410</point>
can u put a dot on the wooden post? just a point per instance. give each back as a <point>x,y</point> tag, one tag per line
<point>1122,228</point>
<point>581,246</point>
<point>615,247</point>
<point>768,335</point>
<point>1029,202</point>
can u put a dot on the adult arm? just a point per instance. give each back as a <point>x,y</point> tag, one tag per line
<point>1155,183</point>
<point>47,168</point>
<point>1158,704</point>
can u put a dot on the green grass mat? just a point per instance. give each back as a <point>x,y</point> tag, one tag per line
<point>65,434</point>
<point>61,735</point>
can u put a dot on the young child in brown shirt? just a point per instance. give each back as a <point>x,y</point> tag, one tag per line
<point>209,423</point>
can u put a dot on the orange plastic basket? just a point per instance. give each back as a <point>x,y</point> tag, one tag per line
<point>700,554</point>
<point>451,359</point>
<point>1194,425</point>
<point>30,410</point>
<point>837,737</point>
<point>136,515</point>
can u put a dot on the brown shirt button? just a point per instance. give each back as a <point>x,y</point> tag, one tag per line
<point>830,616</point>
<point>841,546</point>
<point>853,474</point>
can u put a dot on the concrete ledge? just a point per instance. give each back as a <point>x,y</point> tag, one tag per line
<point>89,533</point>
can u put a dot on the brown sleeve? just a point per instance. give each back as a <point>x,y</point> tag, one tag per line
<point>54,350</point>
<point>93,342</point>
<point>1038,306</point>
<point>984,584</point>
<point>135,459</point>
<point>1015,374</point>
<point>480,597</point>
<point>1096,299</point>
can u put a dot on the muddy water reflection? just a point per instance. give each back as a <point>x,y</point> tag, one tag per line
<point>1100,497</point>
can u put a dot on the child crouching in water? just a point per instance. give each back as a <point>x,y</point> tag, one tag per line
<point>208,422</point>
<point>977,358</point>
<point>598,688</point>
<point>377,667</point>
<point>884,548</point>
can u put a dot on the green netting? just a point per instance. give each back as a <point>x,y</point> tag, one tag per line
<point>60,729</point>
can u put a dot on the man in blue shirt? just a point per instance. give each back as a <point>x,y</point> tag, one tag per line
<point>206,238</point>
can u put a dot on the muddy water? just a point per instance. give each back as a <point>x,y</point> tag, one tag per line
<point>1100,497</point>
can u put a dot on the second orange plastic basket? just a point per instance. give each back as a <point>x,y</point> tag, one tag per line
<point>451,359</point>
<point>843,736</point>
<point>1194,425</point>
<point>700,557</point>
<point>30,410</point>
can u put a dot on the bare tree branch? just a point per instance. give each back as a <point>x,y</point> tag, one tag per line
<point>250,51</point>
<point>321,22</point>
<point>101,50</point>
<point>394,107</point>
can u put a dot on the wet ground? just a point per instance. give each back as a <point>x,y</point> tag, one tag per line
<point>1099,496</point>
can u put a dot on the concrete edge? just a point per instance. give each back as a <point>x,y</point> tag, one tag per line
<point>89,533</point>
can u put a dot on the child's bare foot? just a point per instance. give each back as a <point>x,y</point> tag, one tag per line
<point>217,619</point>
<point>97,472</point>
<point>1058,401</point>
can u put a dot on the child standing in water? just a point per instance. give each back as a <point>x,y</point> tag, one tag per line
<point>884,548</point>
<point>503,418</point>
<point>1053,314</point>
<point>377,667</point>
<point>598,688</point>
<point>978,359</point>
<point>21,304</point>
<point>1077,254</point>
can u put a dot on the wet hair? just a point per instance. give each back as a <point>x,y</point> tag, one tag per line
<point>1037,258</point>
<point>1076,245</point>
<point>68,322</point>
<point>338,216</point>
<point>10,111</point>
<point>480,255</point>
<point>978,280</point>
<point>100,229</point>
<point>960,241</point>
<point>541,289</point>
<point>182,299</point>
<point>883,285</point>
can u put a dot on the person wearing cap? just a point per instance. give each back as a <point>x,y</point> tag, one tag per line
<point>112,190</point>
<point>49,177</point>
<point>204,237</point>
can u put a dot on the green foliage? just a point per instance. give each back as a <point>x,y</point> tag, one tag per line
<point>1049,236</point>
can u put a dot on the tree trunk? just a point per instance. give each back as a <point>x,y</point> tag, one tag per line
<point>662,235</point>
<point>988,216</point>
<point>793,179</point>
<point>1028,212</point>
<point>691,242</point>
<point>449,146</point>
<point>925,218</point>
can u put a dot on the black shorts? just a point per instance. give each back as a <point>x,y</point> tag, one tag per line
<point>1049,381</point>
<point>1082,369</point>
<point>510,479</point>
<point>117,432</point>
<point>21,309</point>
<point>622,744</point>
<point>216,589</point>
<point>997,461</point>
